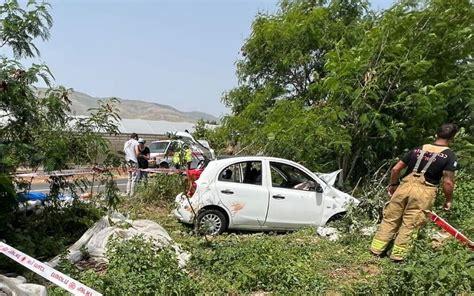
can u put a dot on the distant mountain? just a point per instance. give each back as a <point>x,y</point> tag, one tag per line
<point>135,109</point>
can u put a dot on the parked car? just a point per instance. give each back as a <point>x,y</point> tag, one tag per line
<point>161,152</point>
<point>260,193</point>
<point>158,152</point>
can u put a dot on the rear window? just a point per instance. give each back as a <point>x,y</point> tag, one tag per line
<point>158,147</point>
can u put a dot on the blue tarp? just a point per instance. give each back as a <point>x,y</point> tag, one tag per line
<point>32,196</point>
<point>35,196</point>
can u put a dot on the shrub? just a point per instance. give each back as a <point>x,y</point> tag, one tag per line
<point>260,263</point>
<point>46,234</point>
<point>136,267</point>
<point>460,214</point>
<point>447,271</point>
<point>161,189</point>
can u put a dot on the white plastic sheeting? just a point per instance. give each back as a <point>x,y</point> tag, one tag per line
<point>330,233</point>
<point>95,239</point>
<point>19,287</point>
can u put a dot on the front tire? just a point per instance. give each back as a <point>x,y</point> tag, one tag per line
<point>211,222</point>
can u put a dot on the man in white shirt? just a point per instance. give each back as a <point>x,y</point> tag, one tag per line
<point>130,148</point>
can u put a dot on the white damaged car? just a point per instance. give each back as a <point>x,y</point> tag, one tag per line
<point>261,193</point>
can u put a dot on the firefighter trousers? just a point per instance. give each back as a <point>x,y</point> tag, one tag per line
<point>403,215</point>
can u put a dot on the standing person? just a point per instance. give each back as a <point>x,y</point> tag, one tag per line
<point>404,214</point>
<point>143,158</point>
<point>183,156</point>
<point>131,153</point>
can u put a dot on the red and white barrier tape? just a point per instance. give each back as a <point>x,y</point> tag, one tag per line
<point>68,173</point>
<point>46,271</point>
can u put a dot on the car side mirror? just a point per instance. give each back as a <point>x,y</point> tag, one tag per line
<point>319,189</point>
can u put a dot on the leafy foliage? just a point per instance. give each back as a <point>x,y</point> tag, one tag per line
<point>448,271</point>
<point>19,27</point>
<point>38,131</point>
<point>281,266</point>
<point>161,189</point>
<point>136,267</point>
<point>333,85</point>
<point>45,234</point>
<point>463,205</point>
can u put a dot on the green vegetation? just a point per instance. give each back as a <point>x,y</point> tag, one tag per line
<point>281,264</point>
<point>137,268</point>
<point>332,85</point>
<point>40,132</point>
<point>329,84</point>
<point>45,234</point>
<point>161,189</point>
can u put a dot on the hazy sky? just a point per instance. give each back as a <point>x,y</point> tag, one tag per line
<point>179,53</point>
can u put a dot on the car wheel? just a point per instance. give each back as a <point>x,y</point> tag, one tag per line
<point>211,222</point>
<point>164,165</point>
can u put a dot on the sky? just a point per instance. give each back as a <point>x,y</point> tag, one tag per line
<point>179,53</point>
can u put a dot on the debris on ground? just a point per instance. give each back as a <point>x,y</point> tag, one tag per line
<point>438,237</point>
<point>94,241</point>
<point>35,201</point>
<point>17,286</point>
<point>369,230</point>
<point>328,232</point>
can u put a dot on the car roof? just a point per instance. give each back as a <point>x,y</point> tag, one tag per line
<point>161,141</point>
<point>234,159</point>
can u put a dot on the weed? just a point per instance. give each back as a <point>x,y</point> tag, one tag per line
<point>160,189</point>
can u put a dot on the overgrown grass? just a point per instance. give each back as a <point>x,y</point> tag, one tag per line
<point>243,263</point>
<point>160,189</point>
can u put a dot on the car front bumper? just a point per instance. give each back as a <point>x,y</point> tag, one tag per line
<point>183,211</point>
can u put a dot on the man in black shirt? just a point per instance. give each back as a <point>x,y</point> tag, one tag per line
<point>404,214</point>
<point>143,157</point>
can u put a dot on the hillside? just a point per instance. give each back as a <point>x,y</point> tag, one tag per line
<point>136,109</point>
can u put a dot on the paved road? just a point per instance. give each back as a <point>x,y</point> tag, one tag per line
<point>44,187</point>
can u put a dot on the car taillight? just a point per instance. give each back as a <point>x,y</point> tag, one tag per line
<point>192,190</point>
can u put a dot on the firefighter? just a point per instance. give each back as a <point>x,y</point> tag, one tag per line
<point>182,157</point>
<point>403,214</point>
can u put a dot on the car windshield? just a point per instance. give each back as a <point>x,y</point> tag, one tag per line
<point>286,176</point>
<point>158,147</point>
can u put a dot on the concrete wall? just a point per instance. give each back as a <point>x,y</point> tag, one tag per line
<point>117,141</point>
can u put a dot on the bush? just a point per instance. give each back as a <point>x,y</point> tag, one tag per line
<point>372,196</point>
<point>277,264</point>
<point>447,271</point>
<point>443,271</point>
<point>161,189</point>
<point>460,214</point>
<point>136,267</point>
<point>48,233</point>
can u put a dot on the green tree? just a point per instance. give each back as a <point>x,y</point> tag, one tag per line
<point>333,85</point>
<point>411,71</point>
<point>200,130</point>
<point>39,131</point>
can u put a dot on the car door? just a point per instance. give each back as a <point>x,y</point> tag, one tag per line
<point>295,197</point>
<point>241,190</point>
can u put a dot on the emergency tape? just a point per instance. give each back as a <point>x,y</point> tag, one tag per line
<point>49,273</point>
<point>449,229</point>
<point>66,173</point>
